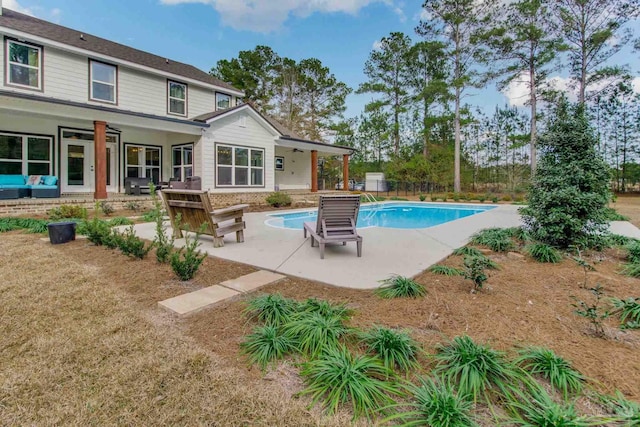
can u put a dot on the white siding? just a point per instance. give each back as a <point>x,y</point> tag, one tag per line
<point>66,77</point>
<point>297,169</point>
<point>227,130</point>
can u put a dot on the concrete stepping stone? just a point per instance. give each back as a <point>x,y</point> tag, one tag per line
<point>252,281</point>
<point>193,302</point>
<point>198,300</point>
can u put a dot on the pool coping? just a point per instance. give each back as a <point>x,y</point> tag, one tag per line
<point>386,251</point>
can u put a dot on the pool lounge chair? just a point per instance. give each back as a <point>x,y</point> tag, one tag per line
<point>336,223</point>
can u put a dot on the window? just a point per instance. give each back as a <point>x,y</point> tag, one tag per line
<point>279,163</point>
<point>104,82</point>
<point>223,101</point>
<point>182,162</point>
<point>143,162</point>
<point>25,155</point>
<point>177,98</point>
<point>239,166</point>
<point>24,65</point>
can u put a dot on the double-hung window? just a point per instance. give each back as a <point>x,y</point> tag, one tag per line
<point>177,98</point>
<point>182,161</point>
<point>143,162</point>
<point>24,65</point>
<point>223,101</point>
<point>103,82</point>
<point>239,166</point>
<point>25,154</point>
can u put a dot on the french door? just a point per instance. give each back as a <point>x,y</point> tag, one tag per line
<point>78,166</point>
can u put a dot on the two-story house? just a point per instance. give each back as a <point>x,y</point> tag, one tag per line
<point>93,112</point>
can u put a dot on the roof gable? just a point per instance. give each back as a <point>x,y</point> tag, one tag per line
<point>58,33</point>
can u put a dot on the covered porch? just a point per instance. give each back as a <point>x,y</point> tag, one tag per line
<point>296,163</point>
<point>93,149</point>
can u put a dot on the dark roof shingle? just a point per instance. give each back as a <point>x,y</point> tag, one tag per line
<point>38,27</point>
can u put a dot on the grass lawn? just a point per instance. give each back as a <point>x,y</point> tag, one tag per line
<point>84,342</point>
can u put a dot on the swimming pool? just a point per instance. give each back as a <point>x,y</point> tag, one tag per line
<point>388,215</point>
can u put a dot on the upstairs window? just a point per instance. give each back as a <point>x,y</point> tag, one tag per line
<point>24,65</point>
<point>104,81</point>
<point>223,101</point>
<point>177,98</point>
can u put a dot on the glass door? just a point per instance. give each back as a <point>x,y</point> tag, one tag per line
<point>77,167</point>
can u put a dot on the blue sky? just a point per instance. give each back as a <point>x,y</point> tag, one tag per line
<point>341,33</point>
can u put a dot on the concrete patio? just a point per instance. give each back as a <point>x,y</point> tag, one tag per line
<point>386,251</point>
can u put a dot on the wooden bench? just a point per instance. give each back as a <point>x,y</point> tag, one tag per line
<point>195,212</point>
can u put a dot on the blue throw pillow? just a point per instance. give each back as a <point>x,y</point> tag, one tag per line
<point>50,180</point>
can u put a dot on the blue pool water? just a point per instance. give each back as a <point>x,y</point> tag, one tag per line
<point>389,215</point>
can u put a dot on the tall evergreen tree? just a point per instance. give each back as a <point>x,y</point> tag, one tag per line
<point>458,23</point>
<point>387,72</point>
<point>594,31</point>
<point>525,41</point>
<point>570,191</point>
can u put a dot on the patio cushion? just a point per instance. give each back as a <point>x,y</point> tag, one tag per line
<point>34,179</point>
<point>23,186</point>
<point>42,187</point>
<point>12,180</point>
<point>49,180</point>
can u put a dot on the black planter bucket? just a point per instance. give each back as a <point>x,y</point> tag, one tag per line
<point>61,232</point>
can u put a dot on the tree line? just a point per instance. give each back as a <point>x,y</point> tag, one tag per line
<point>419,123</point>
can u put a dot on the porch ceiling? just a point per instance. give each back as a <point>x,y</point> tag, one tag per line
<point>322,149</point>
<point>39,106</point>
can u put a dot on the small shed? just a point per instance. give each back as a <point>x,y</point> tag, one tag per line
<point>375,181</point>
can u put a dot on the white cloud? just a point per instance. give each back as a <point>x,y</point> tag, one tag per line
<point>269,15</point>
<point>14,5</point>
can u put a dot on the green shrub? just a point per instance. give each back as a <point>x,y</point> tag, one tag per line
<point>542,252</point>
<point>627,309</point>
<point>481,199</point>
<point>164,244</point>
<point>612,215</point>
<point>506,198</point>
<point>266,344</point>
<point>474,270</point>
<point>314,333</point>
<point>113,240</point>
<point>278,199</point>
<point>67,211</point>
<point>570,191</point>
<point>396,198</point>
<point>435,404</point>
<point>474,368</point>
<point>134,206</point>
<point>631,269</point>
<point>456,197</point>
<point>400,287</point>
<point>434,199</point>
<point>422,197</point>
<point>494,199</point>
<point>620,240</point>
<point>325,308</point>
<point>593,312</point>
<point>553,368</point>
<point>445,270</point>
<point>106,208</point>
<point>338,377</point>
<point>395,348</point>
<point>97,230</point>
<point>119,221</point>
<point>186,261</point>
<point>271,309</point>
<point>131,245</point>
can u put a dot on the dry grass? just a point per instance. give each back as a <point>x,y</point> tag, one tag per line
<point>77,351</point>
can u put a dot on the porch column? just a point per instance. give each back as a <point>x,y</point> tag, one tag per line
<point>100,161</point>
<point>314,171</point>
<point>345,172</point>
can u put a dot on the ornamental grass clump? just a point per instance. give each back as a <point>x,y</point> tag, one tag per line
<point>628,310</point>
<point>400,287</point>
<point>435,404</point>
<point>266,344</point>
<point>445,270</point>
<point>339,377</point>
<point>271,309</point>
<point>475,368</point>
<point>537,408</point>
<point>325,308</point>
<point>633,251</point>
<point>496,239</point>
<point>314,333</point>
<point>542,252</point>
<point>558,371</point>
<point>468,250</point>
<point>396,349</point>
<point>627,412</point>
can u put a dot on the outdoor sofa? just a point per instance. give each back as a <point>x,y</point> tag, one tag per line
<point>19,186</point>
